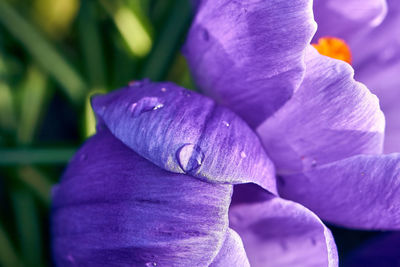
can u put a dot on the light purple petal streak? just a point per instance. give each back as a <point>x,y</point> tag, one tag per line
<point>329,118</point>
<point>232,252</point>
<point>248,55</point>
<point>362,191</point>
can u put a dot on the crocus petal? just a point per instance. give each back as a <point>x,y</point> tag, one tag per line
<point>185,132</point>
<point>115,208</point>
<point>248,55</point>
<point>377,64</point>
<point>346,18</point>
<point>278,232</point>
<point>382,251</point>
<point>232,252</point>
<point>359,192</point>
<point>330,117</point>
<point>377,44</point>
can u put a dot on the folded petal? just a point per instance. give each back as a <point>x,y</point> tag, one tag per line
<point>346,18</point>
<point>359,192</point>
<point>115,208</point>
<point>382,251</point>
<point>329,118</point>
<point>185,132</point>
<point>248,55</point>
<point>232,252</point>
<point>278,232</point>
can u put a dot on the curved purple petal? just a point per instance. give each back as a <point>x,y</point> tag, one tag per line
<point>382,251</point>
<point>232,252</point>
<point>184,132</point>
<point>115,208</point>
<point>278,232</point>
<point>347,18</point>
<point>248,55</point>
<point>330,117</point>
<point>377,65</point>
<point>359,192</point>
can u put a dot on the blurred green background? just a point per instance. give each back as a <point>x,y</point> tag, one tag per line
<point>54,54</point>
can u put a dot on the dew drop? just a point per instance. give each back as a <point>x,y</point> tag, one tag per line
<point>189,157</point>
<point>243,154</point>
<point>145,104</point>
<point>226,123</point>
<point>185,92</point>
<point>163,89</point>
<point>151,264</point>
<point>313,163</point>
<point>158,106</point>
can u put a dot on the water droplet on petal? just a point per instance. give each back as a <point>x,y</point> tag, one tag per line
<point>163,89</point>
<point>158,106</point>
<point>185,92</point>
<point>151,264</point>
<point>145,104</point>
<point>226,123</point>
<point>243,154</point>
<point>313,163</point>
<point>189,157</point>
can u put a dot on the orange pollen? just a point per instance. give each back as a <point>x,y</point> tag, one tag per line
<point>334,48</point>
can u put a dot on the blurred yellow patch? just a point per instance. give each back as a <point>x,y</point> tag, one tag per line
<point>334,48</point>
<point>132,24</point>
<point>56,16</point>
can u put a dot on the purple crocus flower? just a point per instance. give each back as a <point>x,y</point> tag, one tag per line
<point>326,140</point>
<point>153,187</point>
<point>373,37</point>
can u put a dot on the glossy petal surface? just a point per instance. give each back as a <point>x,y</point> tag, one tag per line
<point>184,132</point>
<point>359,192</point>
<point>248,55</point>
<point>232,252</point>
<point>115,208</point>
<point>347,18</point>
<point>278,232</point>
<point>329,118</point>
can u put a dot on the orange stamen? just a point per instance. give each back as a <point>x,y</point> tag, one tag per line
<point>334,48</point>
